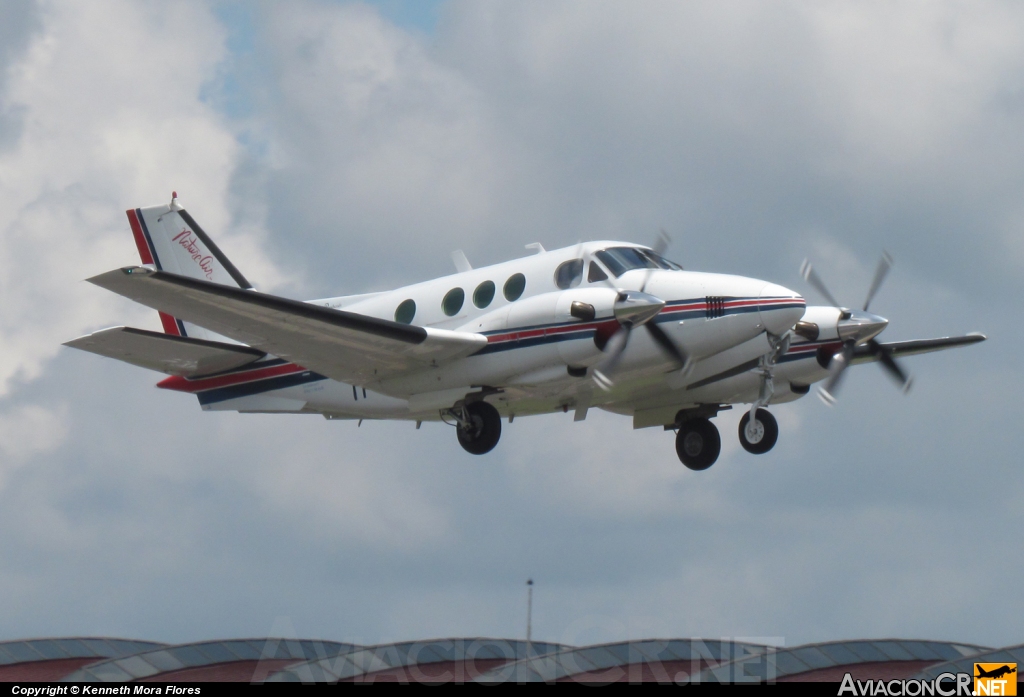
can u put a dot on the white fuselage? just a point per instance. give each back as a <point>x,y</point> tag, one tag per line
<point>539,358</point>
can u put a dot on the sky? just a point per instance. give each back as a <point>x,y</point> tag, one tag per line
<point>345,147</point>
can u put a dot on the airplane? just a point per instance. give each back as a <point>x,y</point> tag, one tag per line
<point>604,324</point>
<point>995,673</point>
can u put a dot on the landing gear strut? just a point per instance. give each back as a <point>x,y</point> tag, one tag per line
<point>758,428</point>
<point>698,443</point>
<point>479,427</point>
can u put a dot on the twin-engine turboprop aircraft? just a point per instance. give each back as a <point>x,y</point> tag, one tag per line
<point>612,325</point>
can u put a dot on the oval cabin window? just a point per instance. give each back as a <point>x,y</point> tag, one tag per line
<point>514,287</point>
<point>453,301</point>
<point>484,294</point>
<point>569,274</point>
<point>406,311</point>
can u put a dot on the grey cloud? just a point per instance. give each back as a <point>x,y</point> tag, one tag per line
<point>19,21</point>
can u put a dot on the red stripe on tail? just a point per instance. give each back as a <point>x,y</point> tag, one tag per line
<point>140,238</point>
<point>170,325</point>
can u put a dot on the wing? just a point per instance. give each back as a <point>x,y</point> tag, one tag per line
<point>345,346</point>
<point>175,355</point>
<point>863,354</point>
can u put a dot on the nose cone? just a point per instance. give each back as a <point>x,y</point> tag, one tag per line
<point>861,326</point>
<point>634,308</point>
<point>779,308</point>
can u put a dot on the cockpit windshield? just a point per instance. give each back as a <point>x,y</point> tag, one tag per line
<point>619,260</point>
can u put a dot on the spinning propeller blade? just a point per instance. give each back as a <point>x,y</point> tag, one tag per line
<point>857,328</point>
<point>890,365</point>
<point>884,264</point>
<point>667,345</point>
<point>660,245</point>
<point>840,362</point>
<point>811,276</point>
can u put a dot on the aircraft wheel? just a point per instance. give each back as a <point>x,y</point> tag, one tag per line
<point>484,430</point>
<point>762,436</point>
<point>698,444</point>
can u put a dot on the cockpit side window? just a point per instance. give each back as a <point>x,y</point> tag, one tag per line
<point>619,260</point>
<point>596,273</point>
<point>662,261</point>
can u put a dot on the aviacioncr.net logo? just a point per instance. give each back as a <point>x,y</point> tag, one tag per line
<point>945,685</point>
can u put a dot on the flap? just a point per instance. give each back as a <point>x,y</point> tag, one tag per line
<point>342,345</point>
<point>174,355</point>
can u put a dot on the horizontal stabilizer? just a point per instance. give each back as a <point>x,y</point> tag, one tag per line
<point>173,355</point>
<point>863,354</point>
<point>344,346</point>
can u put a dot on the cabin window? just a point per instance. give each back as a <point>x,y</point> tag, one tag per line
<point>484,294</point>
<point>406,311</point>
<point>596,274</point>
<point>453,301</point>
<point>569,274</point>
<point>514,287</point>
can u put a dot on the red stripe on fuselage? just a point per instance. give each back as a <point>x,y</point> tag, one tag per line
<point>181,384</point>
<point>694,306</point>
<point>547,331</point>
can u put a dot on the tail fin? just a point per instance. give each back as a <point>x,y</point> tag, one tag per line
<point>170,239</point>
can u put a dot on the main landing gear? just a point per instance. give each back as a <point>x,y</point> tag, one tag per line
<point>699,444</point>
<point>478,425</point>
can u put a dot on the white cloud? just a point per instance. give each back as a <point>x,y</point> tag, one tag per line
<point>30,430</point>
<point>108,96</point>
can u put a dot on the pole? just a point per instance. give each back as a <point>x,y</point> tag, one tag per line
<point>529,614</point>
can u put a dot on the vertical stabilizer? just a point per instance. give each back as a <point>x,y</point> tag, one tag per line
<point>171,240</point>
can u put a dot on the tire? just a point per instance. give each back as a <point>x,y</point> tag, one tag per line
<point>485,431</point>
<point>768,433</point>
<point>698,444</point>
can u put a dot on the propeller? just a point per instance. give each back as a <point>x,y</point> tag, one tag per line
<point>857,327</point>
<point>633,309</point>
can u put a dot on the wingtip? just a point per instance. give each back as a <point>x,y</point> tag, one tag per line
<point>978,335</point>
<point>143,270</point>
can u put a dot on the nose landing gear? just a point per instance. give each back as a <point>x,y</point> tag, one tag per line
<point>758,436</point>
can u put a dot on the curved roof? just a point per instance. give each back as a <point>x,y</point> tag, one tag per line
<point>165,659</point>
<point>607,661</point>
<point>77,647</point>
<point>782,663</point>
<point>366,661</point>
<point>45,660</point>
<point>1009,654</point>
<point>14,652</point>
